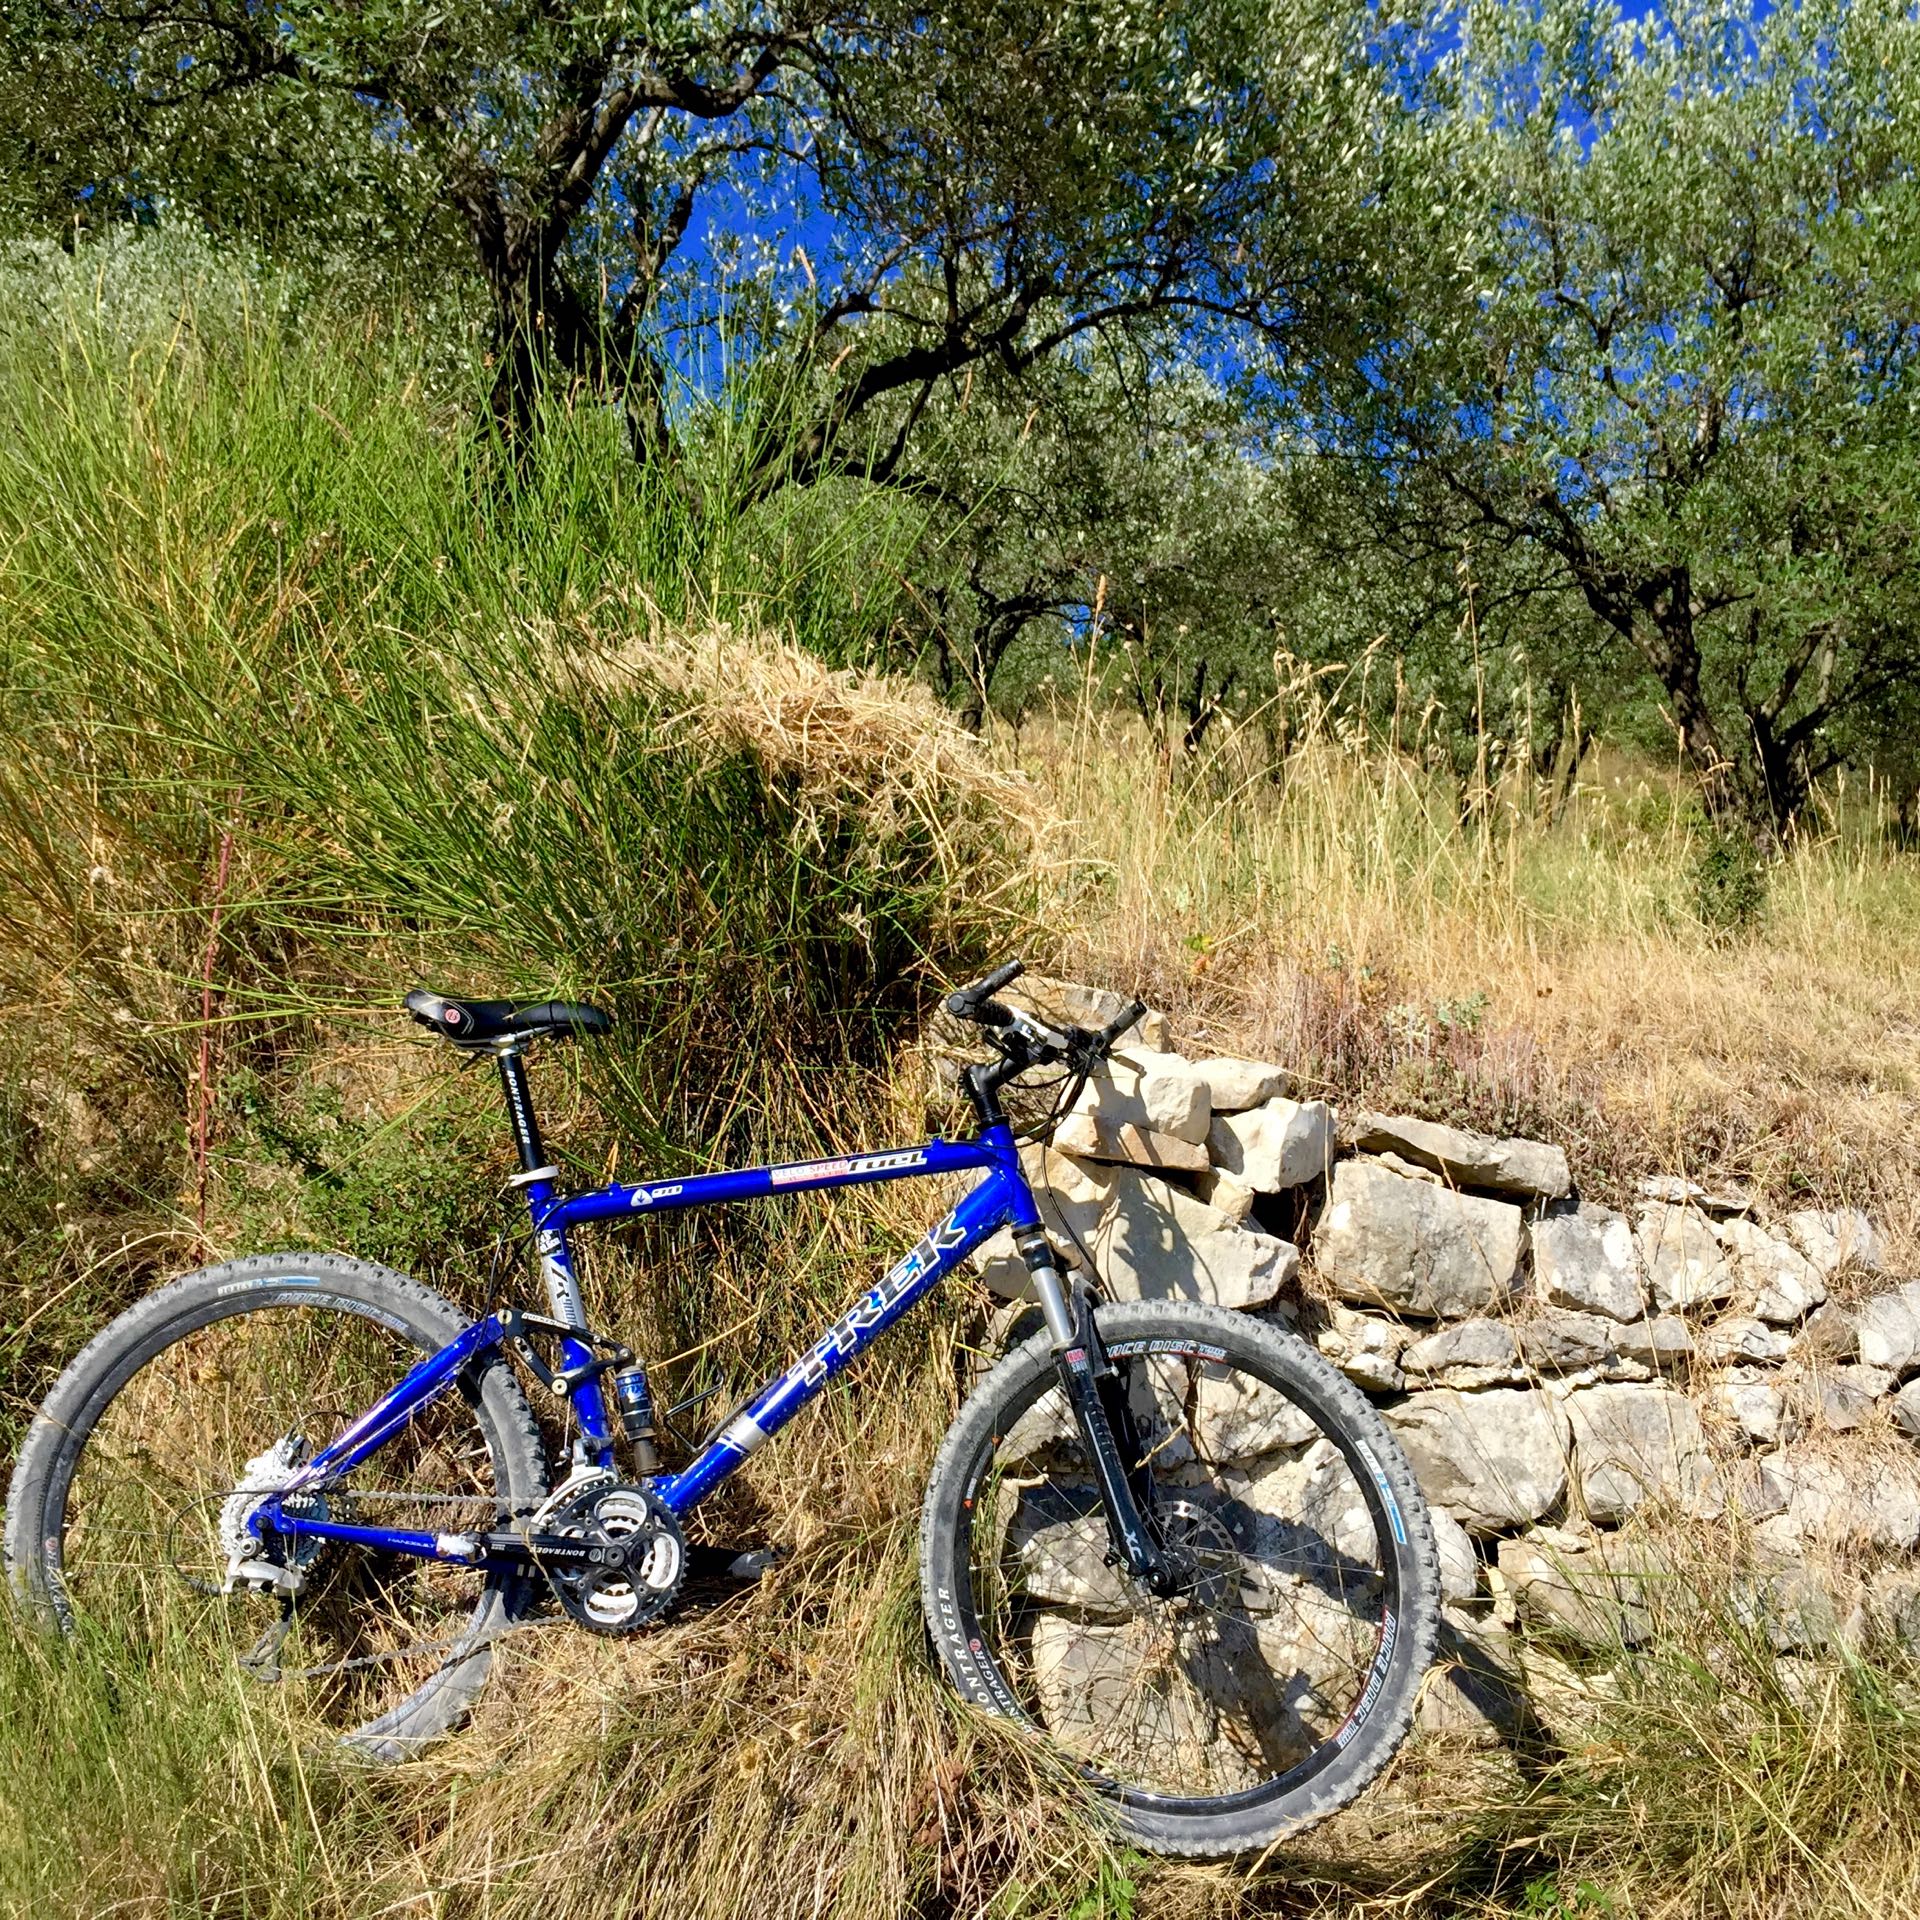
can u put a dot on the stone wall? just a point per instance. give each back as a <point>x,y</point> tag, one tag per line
<point>1578,1388</point>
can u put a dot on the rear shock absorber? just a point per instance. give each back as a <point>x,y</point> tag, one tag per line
<point>633,1403</point>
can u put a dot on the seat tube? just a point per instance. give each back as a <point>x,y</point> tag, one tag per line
<point>535,1180</point>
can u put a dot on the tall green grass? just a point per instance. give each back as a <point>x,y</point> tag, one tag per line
<point>308,698</point>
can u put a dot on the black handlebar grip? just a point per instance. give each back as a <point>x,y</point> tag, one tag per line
<point>965,1003</point>
<point>1109,1035</point>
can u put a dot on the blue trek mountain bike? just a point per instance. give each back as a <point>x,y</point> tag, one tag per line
<point>1167,1538</point>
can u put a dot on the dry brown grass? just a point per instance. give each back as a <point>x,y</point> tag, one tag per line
<point>790,1750</point>
<point>844,737</point>
<point>1528,967</point>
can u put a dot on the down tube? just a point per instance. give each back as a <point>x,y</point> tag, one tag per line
<point>986,1208</point>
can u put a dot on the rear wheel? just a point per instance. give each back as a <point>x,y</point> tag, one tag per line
<point>1280,1678</point>
<point>131,1493</point>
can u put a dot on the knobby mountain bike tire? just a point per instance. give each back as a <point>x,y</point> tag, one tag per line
<point>1281,1677</point>
<point>115,1515</point>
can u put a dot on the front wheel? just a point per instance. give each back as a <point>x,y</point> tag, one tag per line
<point>1281,1676</point>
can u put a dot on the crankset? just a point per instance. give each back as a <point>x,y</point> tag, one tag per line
<point>624,1557</point>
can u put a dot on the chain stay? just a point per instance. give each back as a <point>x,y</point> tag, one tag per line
<point>260,1662</point>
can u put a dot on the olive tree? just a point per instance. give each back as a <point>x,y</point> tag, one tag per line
<point>987,183</point>
<point>1650,338</point>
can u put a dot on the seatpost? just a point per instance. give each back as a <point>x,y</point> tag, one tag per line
<point>526,1130</point>
<point>593,1443</point>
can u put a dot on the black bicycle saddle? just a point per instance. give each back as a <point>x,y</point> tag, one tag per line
<point>480,1023</point>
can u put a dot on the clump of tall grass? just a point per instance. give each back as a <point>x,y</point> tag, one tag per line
<point>1750,1755</point>
<point>306,702</point>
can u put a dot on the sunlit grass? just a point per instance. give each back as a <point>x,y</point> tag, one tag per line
<point>260,582</point>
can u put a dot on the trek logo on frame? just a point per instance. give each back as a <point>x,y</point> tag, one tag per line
<point>843,1338</point>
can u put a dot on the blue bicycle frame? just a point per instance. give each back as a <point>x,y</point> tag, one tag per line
<point>1001,1198</point>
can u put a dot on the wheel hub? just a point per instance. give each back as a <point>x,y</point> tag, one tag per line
<point>279,1564</point>
<point>1202,1560</point>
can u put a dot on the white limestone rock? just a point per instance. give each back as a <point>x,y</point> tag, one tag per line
<point>1593,1592</point>
<point>1836,1397</point>
<point>1237,1419</point>
<point>1829,1335</point>
<point>1797,1610</point>
<point>1755,1487</point>
<point>1496,1460</point>
<point>1156,1242</point>
<point>1559,1340</point>
<point>1686,1264</point>
<point>1784,1284</point>
<point>1467,1159</point>
<point>1736,1338</point>
<point>1834,1239</point>
<point>1893,1607</point>
<point>1090,1137</point>
<point>1235,1085</point>
<point>1673,1191</point>
<point>1224,1194</point>
<point>1479,1345</point>
<point>1074,1198</point>
<point>1635,1444</point>
<point>1389,1241</point>
<point>1284,1143</point>
<point>1887,1329</point>
<point>1753,1404</point>
<point>1905,1409</point>
<point>1585,1258</point>
<point>1157,1093</point>
<point>1861,1499</point>
<point>1365,1348</point>
<point>1459,1563</point>
<point>1663,1341</point>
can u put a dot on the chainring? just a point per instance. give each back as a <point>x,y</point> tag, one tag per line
<point>645,1563</point>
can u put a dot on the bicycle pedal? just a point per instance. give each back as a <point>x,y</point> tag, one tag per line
<point>742,1564</point>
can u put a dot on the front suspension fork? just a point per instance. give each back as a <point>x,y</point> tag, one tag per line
<point>1096,1390</point>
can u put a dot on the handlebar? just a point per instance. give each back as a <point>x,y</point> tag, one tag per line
<point>1084,1046</point>
<point>972,1002</point>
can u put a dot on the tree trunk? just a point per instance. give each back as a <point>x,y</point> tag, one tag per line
<point>1656,615</point>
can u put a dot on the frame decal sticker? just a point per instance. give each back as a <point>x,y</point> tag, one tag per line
<point>841,1341</point>
<point>798,1170</point>
<point>646,1196</point>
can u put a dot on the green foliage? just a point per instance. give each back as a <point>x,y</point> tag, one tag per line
<point>410,1194</point>
<point>1551,1898</point>
<point>1729,880</point>
<point>1120,168</point>
<point>278,648</point>
<point>1649,344</point>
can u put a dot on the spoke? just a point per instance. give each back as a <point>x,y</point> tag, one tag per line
<point>1255,1658</point>
<point>143,1525</point>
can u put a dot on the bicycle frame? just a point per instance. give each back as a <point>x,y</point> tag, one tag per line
<point>1002,1197</point>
